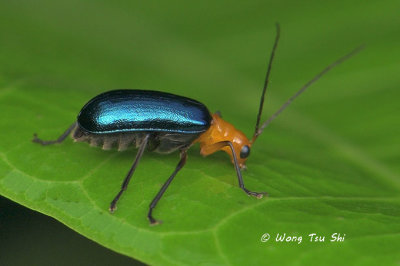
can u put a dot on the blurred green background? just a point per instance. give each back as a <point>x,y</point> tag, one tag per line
<point>215,52</point>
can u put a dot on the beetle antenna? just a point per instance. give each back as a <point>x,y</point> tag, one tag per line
<point>308,84</point>
<point>271,58</point>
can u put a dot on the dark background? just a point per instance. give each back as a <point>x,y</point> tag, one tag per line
<point>31,238</point>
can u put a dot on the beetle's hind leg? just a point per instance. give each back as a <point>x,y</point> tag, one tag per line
<point>164,188</point>
<point>59,140</point>
<point>124,186</point>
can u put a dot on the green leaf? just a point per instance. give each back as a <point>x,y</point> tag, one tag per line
<point>330,162</point>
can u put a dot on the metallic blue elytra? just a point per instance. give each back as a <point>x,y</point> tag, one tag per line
<point>139,110</point>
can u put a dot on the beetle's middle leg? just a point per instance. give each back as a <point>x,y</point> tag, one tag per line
<point>164,188</point>
<point>125,184</point>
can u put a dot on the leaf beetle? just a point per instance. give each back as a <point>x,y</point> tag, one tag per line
<point>164,122</point>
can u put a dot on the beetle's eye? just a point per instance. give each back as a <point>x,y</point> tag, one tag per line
<point>245,152</point>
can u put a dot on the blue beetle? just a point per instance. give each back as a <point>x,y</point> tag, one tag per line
<point>164,122</point>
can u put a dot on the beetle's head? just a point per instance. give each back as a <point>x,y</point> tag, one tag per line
<point>221,130</point>
<point>241,145</point>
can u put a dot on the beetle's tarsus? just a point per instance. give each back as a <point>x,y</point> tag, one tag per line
<point>35,138</point>
<point>258,195</point>
<point>38,140</point>
<point>151,218</point>
<point>261,195</point>
<point>112,208</point>
<point>153,221</point>
<point>113,204</point>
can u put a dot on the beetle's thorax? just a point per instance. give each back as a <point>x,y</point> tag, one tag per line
<point>221,130</point>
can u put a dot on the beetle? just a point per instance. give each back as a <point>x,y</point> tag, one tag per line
<point>164,122</point>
